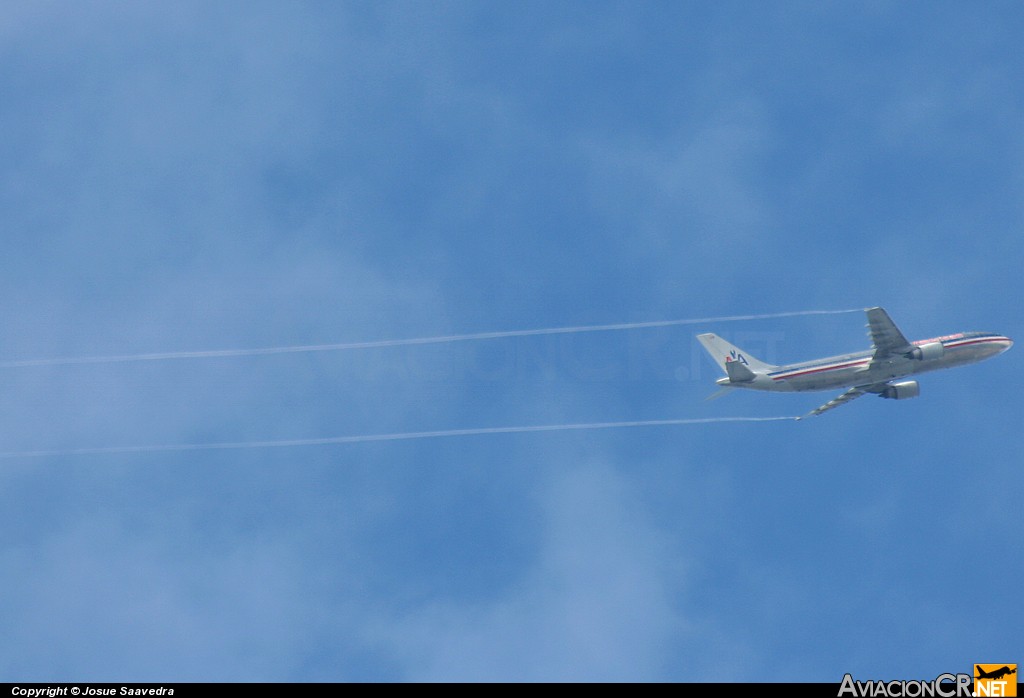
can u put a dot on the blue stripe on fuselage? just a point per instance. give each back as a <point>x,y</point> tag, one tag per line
<point>833,363</point>
<point>829,364</point>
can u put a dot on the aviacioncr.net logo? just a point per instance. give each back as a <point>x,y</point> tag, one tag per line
<point>943,686</point>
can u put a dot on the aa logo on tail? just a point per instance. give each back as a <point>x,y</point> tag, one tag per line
<point>995,680</point>
<point>736,356</point>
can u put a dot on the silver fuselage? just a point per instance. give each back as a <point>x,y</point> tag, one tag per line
<point>849,370</point>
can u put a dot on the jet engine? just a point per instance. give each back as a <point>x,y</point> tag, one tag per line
<point>931,350</point>
<point>901,391</point>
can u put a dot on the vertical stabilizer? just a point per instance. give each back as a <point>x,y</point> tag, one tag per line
<point>724,354</point>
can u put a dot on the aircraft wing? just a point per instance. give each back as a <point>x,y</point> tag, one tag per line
<point>851,394</point>
<point>885,336</point>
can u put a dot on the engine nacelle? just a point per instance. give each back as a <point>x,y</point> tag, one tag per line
<point>931,350</point>
<point>901,391</point>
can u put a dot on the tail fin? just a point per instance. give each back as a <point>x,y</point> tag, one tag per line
<point>724,354</point>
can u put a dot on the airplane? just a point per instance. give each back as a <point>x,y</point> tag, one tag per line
<point>873,371</point>
<point>997,674</point>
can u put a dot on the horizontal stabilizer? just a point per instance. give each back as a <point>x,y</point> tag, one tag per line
<point>738,373</point>
<point>721,392</point>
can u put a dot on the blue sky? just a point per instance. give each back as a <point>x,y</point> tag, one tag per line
<point>222,175</point>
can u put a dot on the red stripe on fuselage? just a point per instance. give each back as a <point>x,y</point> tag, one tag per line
<point>823,368</point>
<point>956,345</point>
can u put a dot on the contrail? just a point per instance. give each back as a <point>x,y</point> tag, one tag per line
<point>265,351</point>
<point>366,438</point>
